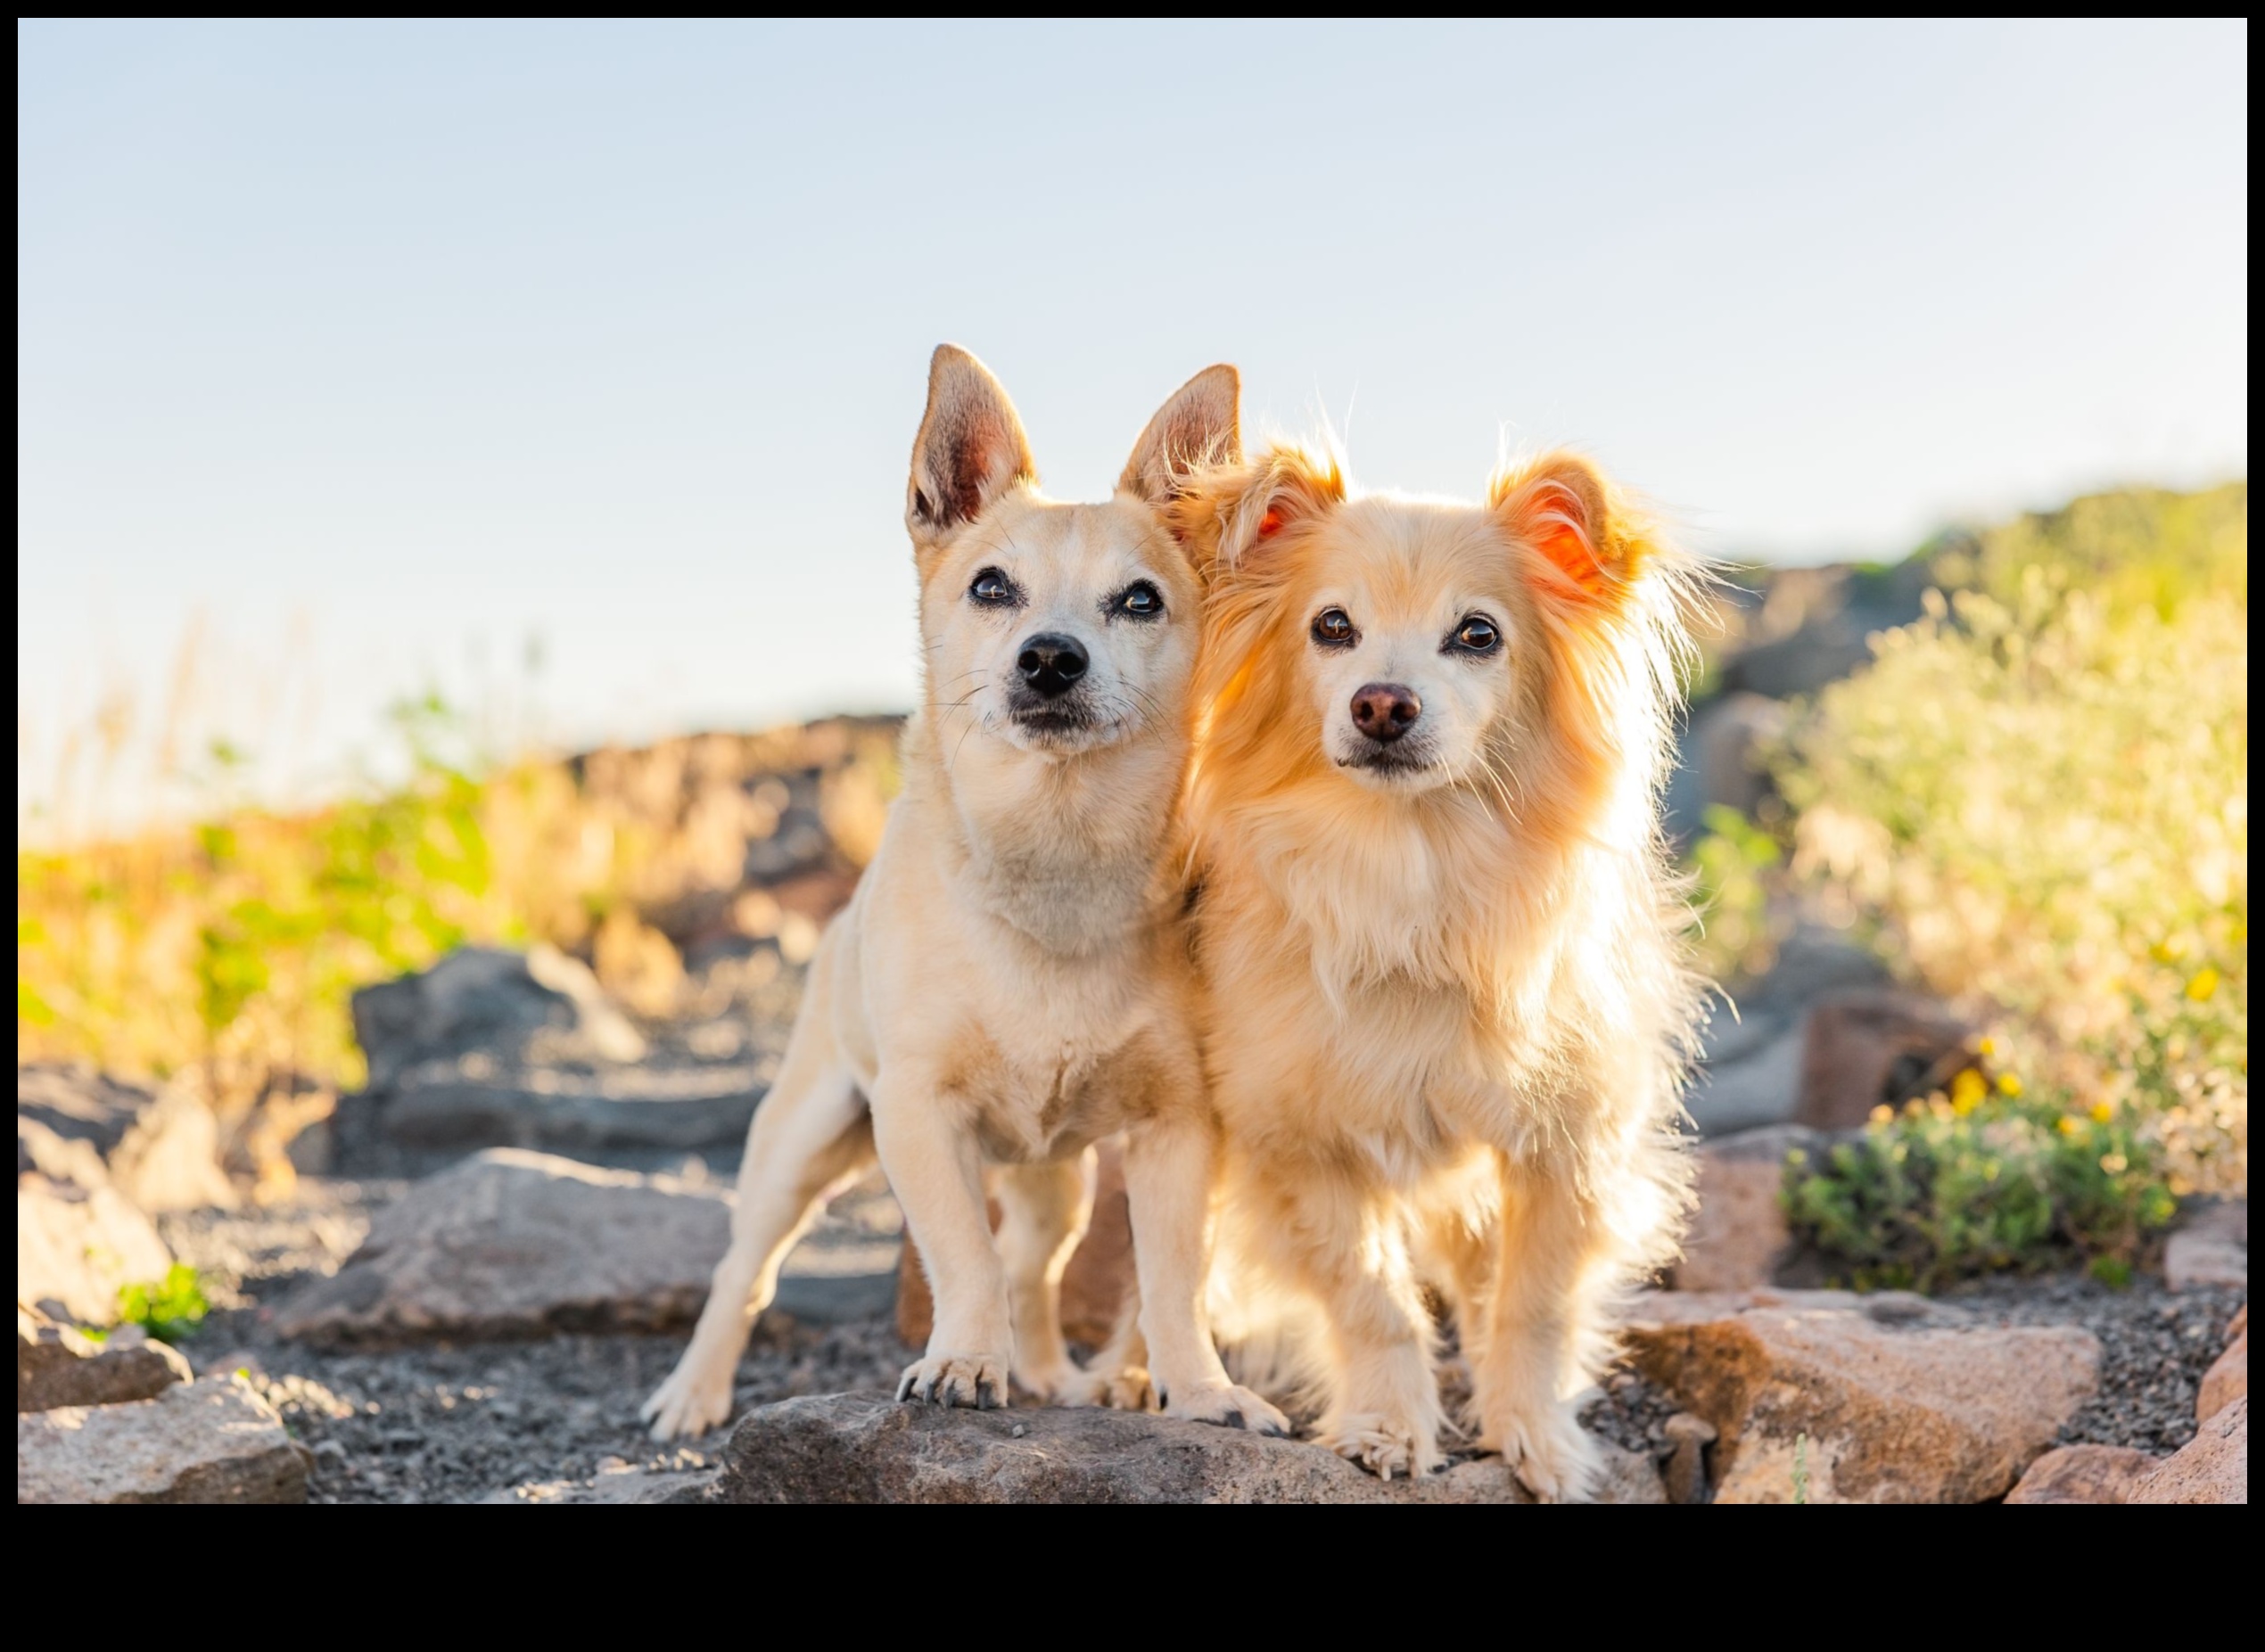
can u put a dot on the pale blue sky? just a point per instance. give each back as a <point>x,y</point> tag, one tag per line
<point>393,345</point>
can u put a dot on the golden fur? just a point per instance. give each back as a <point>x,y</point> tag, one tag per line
<point>1447,1012</point>
<point>1011,980</point>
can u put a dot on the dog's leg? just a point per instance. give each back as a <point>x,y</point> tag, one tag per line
<point>1118,1372</point>
<point>1167,1181</point>
<point>1348,1246</point>
<point>1044,1209</point>
<point>810,1139</point>
<point>935,1171</point>
<point>1553,1278</point>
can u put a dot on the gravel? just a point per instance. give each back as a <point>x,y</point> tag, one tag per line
<point>465,1422</point>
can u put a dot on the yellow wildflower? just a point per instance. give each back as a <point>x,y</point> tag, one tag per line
<point>1966,1092</point>
<point>1989,1046</point>
<point>1882,1114</point>
<point>2102,1112</point>
<point>2069,1126</point>
<point>2202,985</point>
<point>2009,1084</point>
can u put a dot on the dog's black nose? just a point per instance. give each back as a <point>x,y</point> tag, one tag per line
<point>1383,711</point>
<point>1052,663</point>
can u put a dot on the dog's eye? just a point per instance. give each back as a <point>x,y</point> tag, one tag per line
<point>1140,601</point>
<point>1477,635</point>
<point>994,588</point>
<point>1333,629</point>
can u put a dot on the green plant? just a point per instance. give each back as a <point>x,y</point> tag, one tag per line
<point>169,1309</point>
<point>1800,1468</point>
<point>1981,1180</point>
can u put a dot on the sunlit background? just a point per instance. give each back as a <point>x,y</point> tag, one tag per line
<point>572,370</point>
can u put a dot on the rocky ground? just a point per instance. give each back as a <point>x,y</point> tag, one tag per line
<point>494,1250</point>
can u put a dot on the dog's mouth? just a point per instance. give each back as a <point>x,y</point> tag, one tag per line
<point>1390,762</point>
<point>1070,721</point>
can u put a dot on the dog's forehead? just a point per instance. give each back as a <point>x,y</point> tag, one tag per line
<point>1073,538</point>
<point>1413,554</point>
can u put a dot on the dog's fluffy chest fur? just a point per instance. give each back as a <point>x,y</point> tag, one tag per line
<point>1046,913</point>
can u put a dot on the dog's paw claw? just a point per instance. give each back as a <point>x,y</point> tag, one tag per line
<point>977,1381</point>
<point>1228,1405</point>
<point>1383,1446</point>
<point>688,1404</point>
<point>1550,1453</point>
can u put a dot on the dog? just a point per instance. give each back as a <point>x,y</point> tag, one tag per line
<point>1447,1009</point>
<point>1012,982</point>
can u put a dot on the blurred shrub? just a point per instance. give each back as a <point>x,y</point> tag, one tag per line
<point>1728,864</point>
<point>167,1308</point>
<point>2038,797</point>
<point>225,953</point>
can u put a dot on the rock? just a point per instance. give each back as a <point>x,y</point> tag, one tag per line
<point>1814,624</point>
<point>78,1245</point>
<point>1738,1235</point>
<point>517,1243</point>
<point>623,1485</point>
<point>161,1148</point>
<point>496,1048</point>
<point>539,1005</point>
<point>1728,741</point>
<point>1093,1284</point>
<point>55,1365</point>
<point>1685,1478</point>
<point>1750,1072</point>
<point>1865,1048</point>
<point>2084,1473</point>
<point>1891,1399</point>
<point>210,1441</point>
<point>2209,1247</point>
<point>867,1449</point>
<point>2212,1468</point>
<point>2225,1382</point>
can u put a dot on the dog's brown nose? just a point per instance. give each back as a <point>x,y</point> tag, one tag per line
<point>1383,711</point>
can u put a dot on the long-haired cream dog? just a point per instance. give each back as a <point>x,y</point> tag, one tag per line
<point>1011,980</point>
<point>1447,1014</point>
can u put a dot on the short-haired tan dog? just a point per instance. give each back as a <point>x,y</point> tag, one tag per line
<point>1447,1010</point>
<point>1012,982</point>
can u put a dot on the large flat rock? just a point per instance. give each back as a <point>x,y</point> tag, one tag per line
<point>1888,1399</point>
<point>210,1441</point>
<point>869,1448</point>
<point>1738,1236</point>
<point>516,1244</point>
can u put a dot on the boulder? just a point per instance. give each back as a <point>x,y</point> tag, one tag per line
<point>2212,1468</point>
<point>862,1448</point>
<point>1738,1236</point>
<point>160,1148</point>
<point>56,1365</point>
<point>1888,1399</point>
<point>210,1442</point>
<point>1093,1284</point>
<point>1750,1068</point>
<point>515,1244</point>
<point>1868,1047</point>
<point>78,1246</point>
<point>2209,1247</point>
<point>2084,1473</point>
<point>2225,1382</point>
<point>497,1048</point>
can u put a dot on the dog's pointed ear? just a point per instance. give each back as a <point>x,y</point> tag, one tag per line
<point>1198,428</point>
<point>970,449</point>
<point>1587,553</point>
<point>1231,518</point>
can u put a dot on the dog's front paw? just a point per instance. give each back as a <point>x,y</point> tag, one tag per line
<point>1225,1405</point>
<point>1550,1452</point>
<point>1128,1388</point>
<point>979,1380</point>
<point>693,1401</point>
<point>1383,1445</point>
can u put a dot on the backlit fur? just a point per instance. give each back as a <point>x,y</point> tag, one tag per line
<point>1011,980</point>
<point>1447,1010</point>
